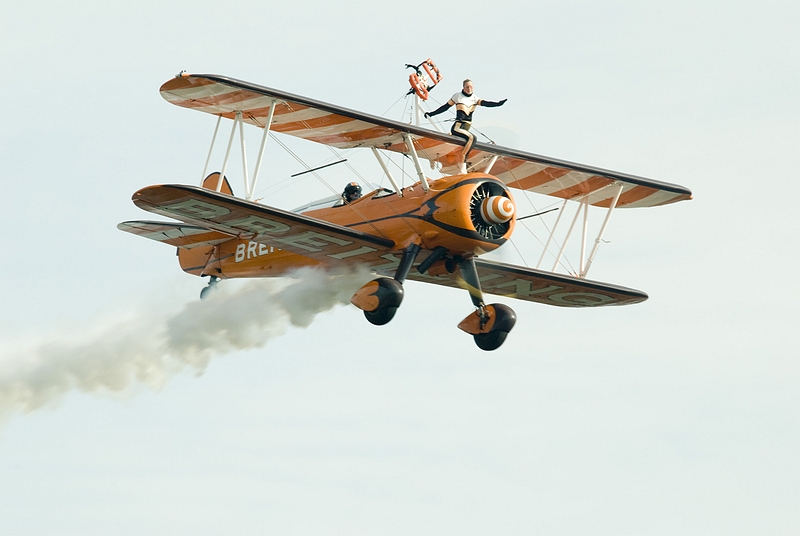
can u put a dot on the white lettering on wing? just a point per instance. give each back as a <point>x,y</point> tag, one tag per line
<point>195,209</point>
<point>312,241</point>
<point>392,265</point>
<point>524,288</point>
<point>257,225</point>
<point>585,299</point>
<point>352,253</point>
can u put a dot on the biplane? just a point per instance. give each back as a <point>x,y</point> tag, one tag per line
<point>434,230</point>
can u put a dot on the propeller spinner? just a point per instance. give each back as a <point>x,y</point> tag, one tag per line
<point>491,210</point>
<point>497,209</point>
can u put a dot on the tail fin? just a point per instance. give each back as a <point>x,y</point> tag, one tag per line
<point>210,183</point>
<point>196,245</point>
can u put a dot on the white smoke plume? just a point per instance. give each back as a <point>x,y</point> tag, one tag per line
<point>149,348</point>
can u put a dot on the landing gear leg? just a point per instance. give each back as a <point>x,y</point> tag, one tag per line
<point>489,324</point>
<point>213,281</point>
<point>380,298</point>
<point>409,256</point>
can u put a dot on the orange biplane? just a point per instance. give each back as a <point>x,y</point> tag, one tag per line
<point>433,231</point>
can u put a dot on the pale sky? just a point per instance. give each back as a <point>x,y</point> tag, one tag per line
<point>675,416</point>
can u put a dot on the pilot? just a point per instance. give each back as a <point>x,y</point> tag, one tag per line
<point>465,102</point>
<point>351,192</point>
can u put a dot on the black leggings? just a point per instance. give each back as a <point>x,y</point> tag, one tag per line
<point>461,129</point>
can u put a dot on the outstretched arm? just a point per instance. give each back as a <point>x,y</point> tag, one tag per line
<point>492,104</point>
<point>440,109</point>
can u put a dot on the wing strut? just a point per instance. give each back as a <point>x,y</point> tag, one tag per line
<point>249,184</point>
<point>597,240</point>
<point>210,149</point>
<point>566,239</point>
<point>252,189</point>
<point>550,238</point>
<point>584,233</point>
<point>387,172</point>
<point>489,166</point>
<point>413,151</point>
<point>244,154</point>
<point>228,152</point>
<point>583,206</point>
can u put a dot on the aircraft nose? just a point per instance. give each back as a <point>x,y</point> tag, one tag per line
<point>497,209</point>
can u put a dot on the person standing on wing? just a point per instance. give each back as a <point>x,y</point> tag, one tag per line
<point>466,102</point>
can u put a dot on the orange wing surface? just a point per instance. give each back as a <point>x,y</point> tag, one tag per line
<point>527,284</point>
<point>340,127</point>
<point>326,242</point>
<point>538,286</point>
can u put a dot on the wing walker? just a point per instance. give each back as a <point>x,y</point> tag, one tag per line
<point>434,230</point>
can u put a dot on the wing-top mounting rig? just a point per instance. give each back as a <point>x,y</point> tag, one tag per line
<point>432,231</point>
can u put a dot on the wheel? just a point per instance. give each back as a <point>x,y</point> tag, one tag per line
<point>380,316</point>
<point>505,318</point>
<point>206,292</point>
<point>389,294</point>
<point>212,286</point>
<point>490,341</point>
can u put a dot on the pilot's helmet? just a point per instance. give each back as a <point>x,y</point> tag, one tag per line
<point>352,192</point>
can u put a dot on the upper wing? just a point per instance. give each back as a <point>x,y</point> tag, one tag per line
<point>542,287</point>
<point>235,217</point>
<point>341,127</point>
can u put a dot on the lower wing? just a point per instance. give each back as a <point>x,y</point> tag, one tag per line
<point>538,286</point>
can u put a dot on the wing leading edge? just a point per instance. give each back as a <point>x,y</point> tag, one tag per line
<point>344,128</point>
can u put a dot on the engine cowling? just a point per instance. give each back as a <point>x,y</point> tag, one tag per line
<point>473,214</point>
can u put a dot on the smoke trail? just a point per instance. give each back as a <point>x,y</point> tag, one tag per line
<point>150,349</point>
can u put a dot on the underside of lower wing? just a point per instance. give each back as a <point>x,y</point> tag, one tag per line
<point>538,286</point>
<point>225,215</point>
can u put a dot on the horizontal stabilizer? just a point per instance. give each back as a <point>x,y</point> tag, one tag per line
<point>175,234</point>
